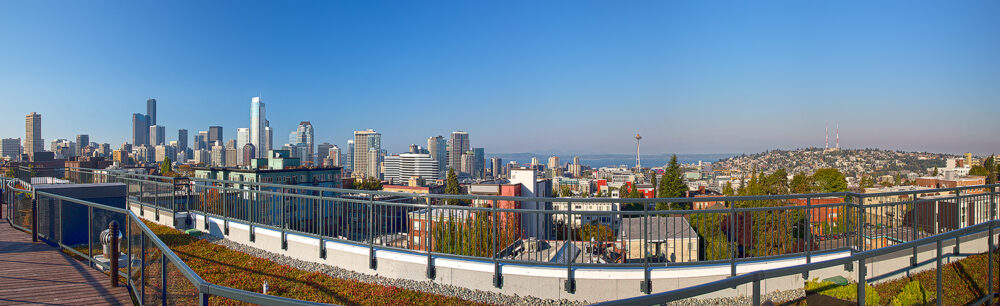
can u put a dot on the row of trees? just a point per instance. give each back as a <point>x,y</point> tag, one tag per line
<point>989,168</point>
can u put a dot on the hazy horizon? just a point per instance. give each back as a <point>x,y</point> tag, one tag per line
<point>519,76</point>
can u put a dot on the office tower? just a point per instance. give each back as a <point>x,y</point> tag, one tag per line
<point>33,134</point>
<point>82,141</point>
<point>467,164</point>
<point>366,142</point>
<point>478,162</point>
<point>258,123</point>
<point>322,153</point>
<point>496,167</point>
<point>242,139</point>
<point>349,158</point>
<point>214,134</point>
<point>231,144</point>
<point>553,162</point>
<point>182,140</point>
<point>422,166</point>
<point>11,148</point>
<point>576,160</point>
<point>104,149</point>
<point>201,141</point>
<point>390,169</point>
<point>140,129</point>
<point>157,135</point>
<point>151,111</point>
<point>301,141</point>
<point>247,153</point>
<point>232,157</point>
<point>438,149</point>
<point>457,145</point>
<point>414,149</point>
<point>334,157</point>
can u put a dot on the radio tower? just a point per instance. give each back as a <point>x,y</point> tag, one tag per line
<point>638,161</point>
<point>838,136</point>
<point>827,146</point>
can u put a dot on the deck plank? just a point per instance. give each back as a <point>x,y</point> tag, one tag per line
<point>36,273</point>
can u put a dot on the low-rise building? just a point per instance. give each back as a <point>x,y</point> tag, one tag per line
<point>664,239</point>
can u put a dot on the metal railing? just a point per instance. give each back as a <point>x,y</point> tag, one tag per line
<point>153,273</point>
<point>571,232</point>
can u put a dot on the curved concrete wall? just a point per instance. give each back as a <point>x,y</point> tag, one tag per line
<point>592,284</point>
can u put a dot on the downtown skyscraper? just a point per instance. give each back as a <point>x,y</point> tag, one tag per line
<point>140,129</point>
<point>457,145</point>
<point>301,141</point>
<point>366,144</point>
<point>33,134</point>
<point>258,124</point>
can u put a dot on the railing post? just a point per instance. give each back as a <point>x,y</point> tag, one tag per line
<point>989,282</point>
<point>497,276</point>
<point>142,207</point>
<point>862,281</point>
<point>90,234</point>
<point>756,290</point>
<point>203,298</point>
<point>284,221</point>
<point>163,277</point>
<point>809,236</point>
<point>646,286</point>
<point>732,238</point>
<point>128,250</point>
<point>34,216</point>
<point>939,255</point>
<point>156,199</point>
<point>428,223</point>
<point>915,225</point>
<point>862,225</point>
<point>570,283</point>
<point>372,261</point>
<point>958,221</point>
<point>113,257</point>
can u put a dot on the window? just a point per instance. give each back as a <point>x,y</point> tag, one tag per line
<point>416,225</point>
<point>416,240</point>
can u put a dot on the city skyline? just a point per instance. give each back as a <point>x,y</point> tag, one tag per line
<point>746,84</point>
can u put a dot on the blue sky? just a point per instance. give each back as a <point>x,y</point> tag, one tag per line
<point>564,76</point>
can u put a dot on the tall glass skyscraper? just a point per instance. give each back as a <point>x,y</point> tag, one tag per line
<point>140,129</point>
<point>258,123</point>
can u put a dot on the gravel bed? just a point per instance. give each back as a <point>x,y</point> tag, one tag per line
<point>465,293</point>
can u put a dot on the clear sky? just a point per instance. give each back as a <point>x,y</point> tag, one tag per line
<point>573,76</point>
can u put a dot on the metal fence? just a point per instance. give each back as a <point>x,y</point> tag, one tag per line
<point>571,232</point>
<point>154,274</point>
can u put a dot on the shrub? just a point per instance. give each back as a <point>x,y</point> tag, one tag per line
<point>912,294</point>
<point>847,293</point>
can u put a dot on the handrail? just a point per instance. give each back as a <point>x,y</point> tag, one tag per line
<point>204,287</point>
<point>756,276</point>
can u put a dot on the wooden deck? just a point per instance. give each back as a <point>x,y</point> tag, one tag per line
<point>36,273</point>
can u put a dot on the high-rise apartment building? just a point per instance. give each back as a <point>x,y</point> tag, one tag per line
<point>333,156</point>
<point>157,135</point>
<point>373,168</point>
<point>478,162</point>
<point>11,148</point>
<point>140,129</point>
<point>214,134</point>
<point>366,142</point>
<point>553,162</point>
<point>201,141</point>
<point>242,139</point>
<point>33,134</point>
<point>496,167</point>
<point>151,111</point>
<point>399,169</point>
<point>468,163</point>
<point>349,155</point>
<point>82,141</point>
<point>457,145</point>
<point>438,149</point>
<point>182,140</point>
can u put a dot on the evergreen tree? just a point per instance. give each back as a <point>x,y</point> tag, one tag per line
<point>830,180</point>
<point>451,187</point>
<point>991,169</point>
<point>672,186</point>
<point>656,185</point>
<point>978,170</point>
<point>165,166</point>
